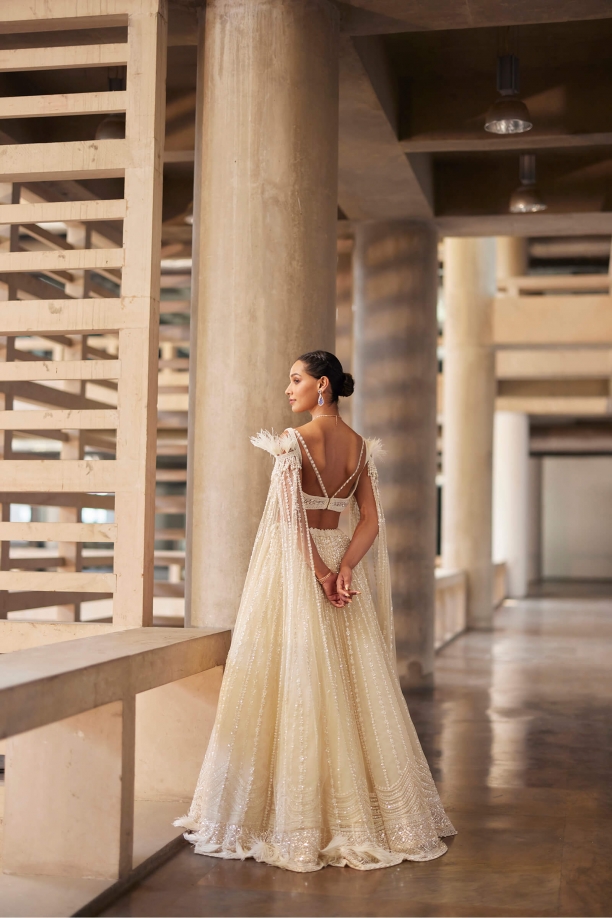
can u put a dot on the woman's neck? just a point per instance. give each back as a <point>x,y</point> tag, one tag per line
<point>325,412</point>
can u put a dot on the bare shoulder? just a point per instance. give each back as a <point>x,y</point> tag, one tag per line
<point>307,427</point>
<point>311,427</point>
<point>311,432</point>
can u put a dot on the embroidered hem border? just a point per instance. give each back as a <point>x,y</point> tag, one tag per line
<point>305,850</point>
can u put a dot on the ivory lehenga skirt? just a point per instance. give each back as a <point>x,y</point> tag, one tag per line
<point>314,759</point>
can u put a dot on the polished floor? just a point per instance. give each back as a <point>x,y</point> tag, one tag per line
<point>518,733</point>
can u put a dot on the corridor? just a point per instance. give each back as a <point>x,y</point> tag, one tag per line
<point>519,739</point>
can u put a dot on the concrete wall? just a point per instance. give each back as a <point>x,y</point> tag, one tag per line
<point>511,498</point>
<point>577,517</point>
<point>534,560</point>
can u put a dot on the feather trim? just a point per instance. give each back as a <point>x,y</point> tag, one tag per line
<point>268,440</point>
<point>276,445</point>
<point>375,449</point>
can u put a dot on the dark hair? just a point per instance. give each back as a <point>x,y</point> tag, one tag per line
<point>322,363</point>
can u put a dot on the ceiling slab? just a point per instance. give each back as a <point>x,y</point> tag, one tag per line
<point>570,182</point>
<point>369,17</point>
<point>427,92</point>
<point>446,84</point>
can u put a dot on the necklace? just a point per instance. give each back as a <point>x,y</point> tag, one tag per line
<point>317,416</point>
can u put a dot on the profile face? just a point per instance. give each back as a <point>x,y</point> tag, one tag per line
<point>303,389</point>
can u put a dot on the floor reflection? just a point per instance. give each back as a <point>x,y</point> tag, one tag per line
<point>508,716</point>
<point>517,732</point>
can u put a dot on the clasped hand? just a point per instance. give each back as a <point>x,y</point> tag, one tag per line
<point>337,588</point>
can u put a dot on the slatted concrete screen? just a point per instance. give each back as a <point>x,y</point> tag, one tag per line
<point>79,280</point>
<point>172,432</point>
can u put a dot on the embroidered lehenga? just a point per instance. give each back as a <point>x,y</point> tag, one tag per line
<point>313,759</point>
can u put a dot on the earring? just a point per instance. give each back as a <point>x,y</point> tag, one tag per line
<point>320,401</point>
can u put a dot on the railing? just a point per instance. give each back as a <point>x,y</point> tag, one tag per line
<point>500,583</point>
<point>451,606</point>
<point>451,601</point>
<point>93,725</point>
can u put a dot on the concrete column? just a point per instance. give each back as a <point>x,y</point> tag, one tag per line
<point>396,285</point>
<point>344,317</point>
<point>265,215</point>
<point>512,258</point>
<point>469,398</point>
<point>511,497</point>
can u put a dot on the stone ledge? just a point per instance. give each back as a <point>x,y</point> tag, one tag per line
<point>42,685</point>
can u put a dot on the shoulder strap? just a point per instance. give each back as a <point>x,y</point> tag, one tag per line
<point>358,479</point>
<point>312,462</point>
<point>350,478</point>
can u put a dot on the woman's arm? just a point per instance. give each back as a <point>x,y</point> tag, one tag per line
<point>363,537</point>
<point>290,507</point>
<point>329,583</point>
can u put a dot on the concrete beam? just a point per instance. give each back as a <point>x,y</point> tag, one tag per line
<point>523,321</point>
<point>564,363</point>
<point>571,439</point>
<point>566,407</point>
<point>595,223</point>
<point>475,143</point>
<point>376,180</point>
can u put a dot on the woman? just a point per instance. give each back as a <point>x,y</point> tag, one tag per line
<point>313,759</point>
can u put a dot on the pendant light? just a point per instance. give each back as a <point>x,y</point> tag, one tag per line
<point>113,126</point>
<point>526,199</point>
<point>508,115</point>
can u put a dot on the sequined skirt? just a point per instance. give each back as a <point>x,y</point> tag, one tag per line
<point>314,759</point>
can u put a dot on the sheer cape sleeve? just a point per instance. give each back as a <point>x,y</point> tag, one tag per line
<point>376,560</point>
<point>284,527</point>
<point>284,521</point>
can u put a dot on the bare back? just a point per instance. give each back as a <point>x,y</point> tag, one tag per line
<point>338,454</point>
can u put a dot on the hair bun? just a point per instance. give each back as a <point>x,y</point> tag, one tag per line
<point>348,385</point>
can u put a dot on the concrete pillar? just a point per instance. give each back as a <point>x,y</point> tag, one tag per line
<point>511,497</point>
<point>344,317</point>
<point>265,215</point>
<point>396,285</point>
<point>512,258</point>
<point>469,398</point>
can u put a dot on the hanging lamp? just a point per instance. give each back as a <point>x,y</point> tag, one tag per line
<point>508,115</point>
<point>526,199</point>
